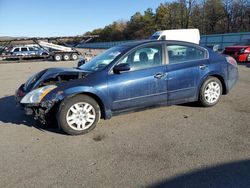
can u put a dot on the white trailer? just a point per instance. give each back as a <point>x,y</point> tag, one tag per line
<point>60,52</point>
<point>56,51</point>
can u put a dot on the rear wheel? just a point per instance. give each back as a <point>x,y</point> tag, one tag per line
<point>210,92</point>
<point>74,56</point>
<point>57,57</point>
<point>78,115</point>
<point>66,57</point>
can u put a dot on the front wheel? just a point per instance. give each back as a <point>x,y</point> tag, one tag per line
<point>78,115</point>
<point>210,92</point>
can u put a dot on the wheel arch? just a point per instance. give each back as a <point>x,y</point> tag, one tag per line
<point>223,83</point>
<point>95,97</point>
<point>218,76</point>
<point>98,100</point>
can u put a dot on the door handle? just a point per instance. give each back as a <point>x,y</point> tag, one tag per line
<point>202,66</point>
<point>159,75</point>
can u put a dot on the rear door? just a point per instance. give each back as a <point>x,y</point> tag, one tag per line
<point>32,51</point>
<point>24,51</point>
<point>186,64</point>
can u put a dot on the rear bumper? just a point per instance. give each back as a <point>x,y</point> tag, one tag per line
<point>233,76</point>
<point>241,58</point>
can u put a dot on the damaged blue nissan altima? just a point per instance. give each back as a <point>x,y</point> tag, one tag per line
<point>127,77</point>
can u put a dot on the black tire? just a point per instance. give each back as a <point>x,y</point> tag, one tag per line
<point>64,110</point>
<point>202,97</point>
<point>74,56</point>
<point>57,57</point>
<point>66,57</point>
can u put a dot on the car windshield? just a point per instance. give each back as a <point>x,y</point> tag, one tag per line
<point>103,60</point>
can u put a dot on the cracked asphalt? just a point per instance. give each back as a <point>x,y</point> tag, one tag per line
<point>173,146</point>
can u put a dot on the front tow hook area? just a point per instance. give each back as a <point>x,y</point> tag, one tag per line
<point>28,111</point>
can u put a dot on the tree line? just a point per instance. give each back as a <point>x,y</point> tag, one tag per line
<point>209,16</point>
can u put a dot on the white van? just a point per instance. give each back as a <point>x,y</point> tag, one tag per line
<point>186,35</point>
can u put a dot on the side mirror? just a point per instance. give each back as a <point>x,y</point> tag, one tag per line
<point>121,67</point>
<point>81,62</point>
<point>163,37</point>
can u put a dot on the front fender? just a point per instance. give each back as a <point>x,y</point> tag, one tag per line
<point>60,94</point>
<point>85,89</point>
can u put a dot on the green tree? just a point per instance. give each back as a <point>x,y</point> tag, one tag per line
<point>209,16</point>
<point>214,12</point>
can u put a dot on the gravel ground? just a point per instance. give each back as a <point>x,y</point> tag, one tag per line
<point>175,146</point>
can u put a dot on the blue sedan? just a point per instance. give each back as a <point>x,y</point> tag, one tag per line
<point>124,78</point>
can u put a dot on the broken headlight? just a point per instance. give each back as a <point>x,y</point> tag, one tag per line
<point>37,95</point>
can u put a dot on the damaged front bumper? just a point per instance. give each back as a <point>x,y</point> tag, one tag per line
<point>40,111</point>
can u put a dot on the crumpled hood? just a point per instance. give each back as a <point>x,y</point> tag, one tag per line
<point>52,72</point>
<point>53,76</point>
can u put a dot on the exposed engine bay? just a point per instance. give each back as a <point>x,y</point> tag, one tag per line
<point>51,76</point>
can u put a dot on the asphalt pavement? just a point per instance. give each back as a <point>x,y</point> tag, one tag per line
<point>173,146</point>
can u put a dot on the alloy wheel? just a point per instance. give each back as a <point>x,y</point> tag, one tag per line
<point>81,116</point>
<point>212,92</point>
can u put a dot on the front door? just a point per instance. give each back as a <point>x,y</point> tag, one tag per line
<point>144,84</point>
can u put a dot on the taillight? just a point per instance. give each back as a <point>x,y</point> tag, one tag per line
<point>231,60</point>
<point>244,50</point>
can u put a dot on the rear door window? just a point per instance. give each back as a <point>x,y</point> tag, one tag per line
<point>24,49</point>
<point>31,49</point>
<point>181,53</point>
<point>16,50</point>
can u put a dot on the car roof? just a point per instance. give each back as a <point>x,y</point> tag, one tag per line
<point>141,42</point>
<point>21,46</point>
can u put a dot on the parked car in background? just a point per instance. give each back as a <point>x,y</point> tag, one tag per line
<point>240,51</point>
<point>216,48</point>
<point>127,77</point>
<point>28,51</point>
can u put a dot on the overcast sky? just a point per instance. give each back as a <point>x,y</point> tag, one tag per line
<point>65,17</point>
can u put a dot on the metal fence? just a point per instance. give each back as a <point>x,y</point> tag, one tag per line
<point>103,45</point>
<point>222,40</point>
